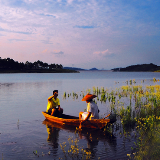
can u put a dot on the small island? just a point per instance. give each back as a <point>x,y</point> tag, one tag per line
<point>8,65</point>
<point>139,68</point>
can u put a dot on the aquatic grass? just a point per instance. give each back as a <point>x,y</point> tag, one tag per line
<point>137,107</point>
<point>127,117</point>
<point>94,90</point>
<point>144,100</point>
<point>103,97</point>
<point>74,95</point>
<point>64,95</point>
<point>108,129</point>
<point>88,91</point>
<point>149,142</point>
<point>36,153</point>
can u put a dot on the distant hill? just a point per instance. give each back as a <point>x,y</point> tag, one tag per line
<point>73,68</point>
<point>80,69</point>
<point>93,69</point>
<point>139,68</point>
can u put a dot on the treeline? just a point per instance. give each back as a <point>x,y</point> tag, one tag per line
<point>8,63</point>
<point>139,67</point>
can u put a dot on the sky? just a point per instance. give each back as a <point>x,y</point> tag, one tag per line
<point>104,34</point>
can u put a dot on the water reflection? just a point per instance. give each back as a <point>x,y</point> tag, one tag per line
<point>53,136</point>
<point>5,84</point>
<point>92,136</point>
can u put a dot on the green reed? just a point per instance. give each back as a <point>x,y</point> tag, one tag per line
<point>138,107</point>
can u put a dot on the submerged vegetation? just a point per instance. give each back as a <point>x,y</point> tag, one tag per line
<point>137,108</point>
<point>74,151</point>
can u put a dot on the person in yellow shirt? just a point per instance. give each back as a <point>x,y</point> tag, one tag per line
<point>53,106</point>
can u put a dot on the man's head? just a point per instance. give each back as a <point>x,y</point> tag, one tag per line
<point>55,93</point>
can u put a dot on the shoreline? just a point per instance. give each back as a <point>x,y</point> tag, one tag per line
<point>38,71</point>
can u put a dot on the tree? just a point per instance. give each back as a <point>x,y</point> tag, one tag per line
<point>52,66</point>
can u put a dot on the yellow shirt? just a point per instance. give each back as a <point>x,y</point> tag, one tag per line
<point>53,103</point>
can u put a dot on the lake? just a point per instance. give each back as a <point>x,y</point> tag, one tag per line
<point>24,133</point>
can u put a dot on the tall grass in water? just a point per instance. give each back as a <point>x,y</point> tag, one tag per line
<point>138,107</point>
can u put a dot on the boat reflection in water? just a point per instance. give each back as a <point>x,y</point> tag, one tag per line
<point>92,136</point>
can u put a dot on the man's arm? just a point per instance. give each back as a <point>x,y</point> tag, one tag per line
<point>49,99</point>
<point>58,107</point>
<point>89,114</point>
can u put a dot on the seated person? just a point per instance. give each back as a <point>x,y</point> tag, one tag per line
<point>53,106</point>
<point>92,108</point>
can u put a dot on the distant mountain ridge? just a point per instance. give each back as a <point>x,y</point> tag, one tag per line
<point>93,69</point>
<point>73,68</point>
<point>79,69</point>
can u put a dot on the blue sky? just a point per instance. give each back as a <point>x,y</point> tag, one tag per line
<point>81,33</point>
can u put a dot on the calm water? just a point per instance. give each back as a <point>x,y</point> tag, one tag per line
<point>22,126</point>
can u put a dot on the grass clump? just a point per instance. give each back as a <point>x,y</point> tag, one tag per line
<point>74,151</point>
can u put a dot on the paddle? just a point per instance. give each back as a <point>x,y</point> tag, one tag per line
<point>107,116</point>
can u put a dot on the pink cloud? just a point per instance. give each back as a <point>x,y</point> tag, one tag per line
<point>103,53</point>
<point>53,52</point>
<point>69,1</point>
<point>45,51</point>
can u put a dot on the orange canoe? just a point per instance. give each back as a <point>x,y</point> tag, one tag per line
<point>75,121</point>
